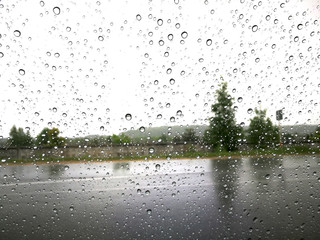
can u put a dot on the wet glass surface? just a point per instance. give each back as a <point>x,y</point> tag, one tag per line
<point>271,198</point>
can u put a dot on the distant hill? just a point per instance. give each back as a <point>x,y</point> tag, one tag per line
<point>158,131</point>
<point>300,130</point>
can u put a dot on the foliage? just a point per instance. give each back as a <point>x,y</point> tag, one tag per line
<point>262,133</point>
<point>223,132</point>
<point>19,138</point>
<point>189,135</point>
<point>119,139</point>
<point>316,135</point>
<point>49,137</point>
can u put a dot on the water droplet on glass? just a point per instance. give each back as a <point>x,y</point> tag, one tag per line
<point>299,26</point>
<point>239,99</point>
<point>159,116</point>
<point>172,119</point>
<point>56,10</point>
<point>268,17</point>
<point>149,211</point>
<point>254,28</point>
<point>267,176</point>
<point>156,82</point>
<point>151,150</point>
<point>54,109</point>
<point>142,129</point>
<point>17,33</point>
<point>179,113</point>
<point>160,22</point>
<point>128,116</point>
<point>102,128</point>
<point>209,42</point>
<point>250,110</point>
<point>22,72</point>
<point>66,168</point>
<point>170,37</point>
<point>64,115</point>
<point>172,81</point>
<point>138,17</point>
<point>36,114</point>
<point>100,38</point>
<point>71,209</point>
<point>139,191</point>
<point>1,54</point>
<point>158,166</point>
<point>184,35</point>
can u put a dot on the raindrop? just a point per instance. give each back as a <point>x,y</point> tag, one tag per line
<point>172,81</point>
<point>17,33</point>
<point>158,166</point>
<point>151,150</point>
<point>296,39</point>
<point>147,192</point>
<point>142,129</point>
<point>179,113</point>
<point>254,28</point>
<point>170,37</point>
<point>64,115</point>
<point>1,54</point>
<point>250,110</point>
<point>36,114</point>
<point>71,209</point>
<point>100,38</point>
<point>267,176</point>
<point>56,10</point>
<point>66,168</point>
<point>161,42</point>
<point>240,99</point>
<point>156,82</point>
<point>68,29</point>
<point>22,72</point>
<point>138,17</point>
<point>160,22</point>
<point>159,116</point>
<point>184,35</point>
<point>102,128</point>
<point>172,119</point>
<point>299,26</point>
<point>268,17</point>
<point>139,191</point>
<point>209,42</point>
<point>149,211</point>
<point>128,116</point>
<point>54,109</point>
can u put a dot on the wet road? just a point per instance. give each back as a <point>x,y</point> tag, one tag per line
<point>268,198</point>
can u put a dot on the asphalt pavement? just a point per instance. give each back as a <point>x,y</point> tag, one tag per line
<point>245,198</point>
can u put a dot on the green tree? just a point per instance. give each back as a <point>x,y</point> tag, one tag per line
<point>262,133</point>
<point>19,138</point>
<point>316,135</point>
<point>119,139</point>
<point>50,137</point>
<point>223,132</point>
<point>189,135</point>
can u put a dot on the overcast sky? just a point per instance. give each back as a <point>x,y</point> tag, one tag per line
<point>82,66</point>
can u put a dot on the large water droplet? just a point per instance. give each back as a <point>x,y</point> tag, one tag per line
<point>184,35</point>
<point>160,22</point>
<point>149,211</point>
<point>158,166</point>
<point>17,33</point>
<point>254,28</point>
<point>299,26</point>
<point>22,72</point>
<point>250,110</point>
<point>172,119</point>
<point>209,42</point>
<point>128,116</point>
<point>138,17</point>
<point>170,37</point>
<point>142,129</point>
<point>172,81</point>
<point>240,99</point>
<point>151,150</point>
<point>56,10</point>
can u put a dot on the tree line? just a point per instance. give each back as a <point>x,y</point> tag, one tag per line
<point>223,133</point>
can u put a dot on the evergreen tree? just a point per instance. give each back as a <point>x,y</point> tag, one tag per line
<point>262,133</point>
<point>223,132</point>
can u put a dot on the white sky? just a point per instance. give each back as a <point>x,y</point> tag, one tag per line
<point>89,76</point>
